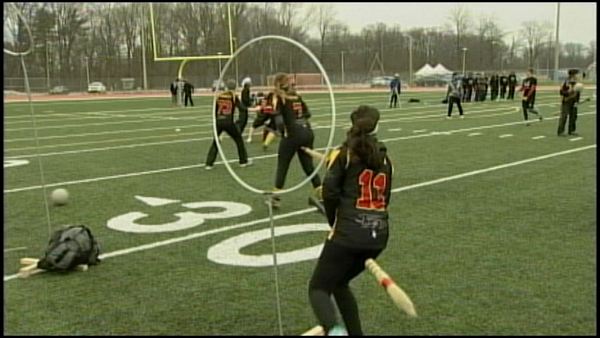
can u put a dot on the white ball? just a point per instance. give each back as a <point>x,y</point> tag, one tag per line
<point>59,196</point>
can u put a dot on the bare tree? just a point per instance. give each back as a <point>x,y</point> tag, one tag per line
<point>324,19</point>
<point>460,20</point>
<point>534,34</point>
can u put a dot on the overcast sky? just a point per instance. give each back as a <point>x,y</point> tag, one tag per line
<point>577,20</point>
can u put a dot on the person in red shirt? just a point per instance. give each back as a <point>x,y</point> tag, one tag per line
<point>529,89</point>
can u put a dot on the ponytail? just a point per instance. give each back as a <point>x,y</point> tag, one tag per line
<point>361,142</point>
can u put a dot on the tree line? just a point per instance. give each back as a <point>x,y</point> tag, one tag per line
<point>104,40</point>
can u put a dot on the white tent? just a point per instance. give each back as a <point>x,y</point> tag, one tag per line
<point>441,70</point>
<point>425,71</point>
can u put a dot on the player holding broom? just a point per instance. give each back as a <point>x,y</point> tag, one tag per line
<point>356,194</point>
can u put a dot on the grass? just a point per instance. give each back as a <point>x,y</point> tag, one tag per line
<point>504,252</point>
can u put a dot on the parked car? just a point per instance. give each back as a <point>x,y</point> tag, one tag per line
<point>221,85</point>
<point>381,81</point>
<point>96,87</point>
<point>59,90</point>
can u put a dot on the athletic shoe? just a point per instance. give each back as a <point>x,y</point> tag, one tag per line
<point>541,118</point>
<point>462,116</point>
<point>337,330</point>
<point>244,165</point>
<point>448,117</point>
<point>208,167</point>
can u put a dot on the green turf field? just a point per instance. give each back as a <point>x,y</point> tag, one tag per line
<point>493,222</point>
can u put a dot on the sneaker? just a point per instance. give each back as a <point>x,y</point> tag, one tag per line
<point>265,147</point>
<point>249,140</point>
<point>208,167</point>
<point>337,330</point>
<point>448,117</point>
<point>462,116</point>
<point>244,165</point>
<point>541,118</point>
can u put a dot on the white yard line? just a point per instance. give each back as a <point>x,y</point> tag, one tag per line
<point>15,249</point>
<point>538,137</point>
<point>474,134</point>
<point>576,139</point>
<point>307,210</point>
<point>505,135</point>
<point>150,172</point>
<point>395,129</point>
<point>419,131</point>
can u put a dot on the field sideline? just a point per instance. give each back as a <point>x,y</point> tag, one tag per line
<point>493,221</point>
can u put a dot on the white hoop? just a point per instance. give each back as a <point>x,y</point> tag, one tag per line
<point>10,52</point>
<point>331,132</point>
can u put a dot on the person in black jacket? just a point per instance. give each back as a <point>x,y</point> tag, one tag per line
<point>356,196</point>
<point>173,90</point>
<point>246,103</point>
<point>503,84</point>
<point>512,83</point>
<point>188,89</point>
<point>494,84</point>
<point>571,94</point>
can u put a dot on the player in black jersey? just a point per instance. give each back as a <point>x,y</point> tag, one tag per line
<point>529,88</point>
<point>224,110</point>
<point>296,133</point>
<point>356,195</point>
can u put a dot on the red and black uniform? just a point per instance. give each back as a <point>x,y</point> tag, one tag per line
<point>356,199</point>
<point>224,110</point>
<point>297,133</point>
<point>529,88</point>
<point>268,114</point>
<point>246,103</point>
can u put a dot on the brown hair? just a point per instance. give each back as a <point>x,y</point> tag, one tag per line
<point>361,144</point>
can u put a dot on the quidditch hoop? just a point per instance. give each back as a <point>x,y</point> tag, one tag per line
<point>10,52</point>
<point>331,132</point>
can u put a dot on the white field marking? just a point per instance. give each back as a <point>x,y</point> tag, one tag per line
<point>101,111</point>
<point>538,137</point>
<point>129,146</point>
<point>474,134</point>
<point>155,201</point>
<point>201,165</point>
<point>505,135</point>
<point>575,139</point>
<point>200,116</point>
<point>187,126</point>
<point>50,146</point>
<point>131,139</point>
<point>419,131</point>
<point>307,210</point>
<point>395,129</point>
<point>48,111</point>
<point>15,249</point>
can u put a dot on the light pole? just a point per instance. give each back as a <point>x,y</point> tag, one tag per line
<point>87,69</point>
<point>237,77</point>
<point>343,67</point>
<point>410,65</point>
<point>220,53</point>
<point>464,58</point>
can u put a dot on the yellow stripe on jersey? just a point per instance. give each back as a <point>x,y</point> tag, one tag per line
<point>332,156</point>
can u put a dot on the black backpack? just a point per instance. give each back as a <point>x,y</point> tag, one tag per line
<point>69,247</point>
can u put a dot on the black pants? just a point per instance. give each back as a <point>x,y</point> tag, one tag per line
<point>232,130</point>
<point>288,146</point>
<point>511,93</point>
<point>467,98</point>
<point>451,101</point>
<point>528,108</point>
<point>494,93</point>
<point>502,92</point>
<point>336,267</point>
<point>242,121</point>
<point>567,111</point>
<point>394,100</point>
<point>188,97</point>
